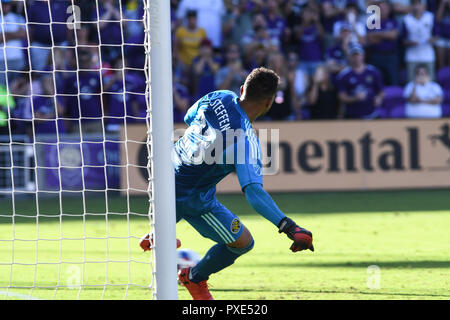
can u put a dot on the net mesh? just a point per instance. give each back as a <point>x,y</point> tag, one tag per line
<point>74,82</point>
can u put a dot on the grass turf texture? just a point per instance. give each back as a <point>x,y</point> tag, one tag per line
<point>404,233</point>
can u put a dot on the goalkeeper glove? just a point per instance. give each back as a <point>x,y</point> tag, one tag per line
<point>302,238</point>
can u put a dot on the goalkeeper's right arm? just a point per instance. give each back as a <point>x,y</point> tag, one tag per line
<point>263,203</point>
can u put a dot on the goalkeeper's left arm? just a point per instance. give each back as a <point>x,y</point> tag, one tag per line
<point>263,203</point>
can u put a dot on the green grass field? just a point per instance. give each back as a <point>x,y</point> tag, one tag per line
<point>405,233</point>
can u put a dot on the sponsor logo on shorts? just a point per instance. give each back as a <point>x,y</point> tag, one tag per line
<point>235,225</point>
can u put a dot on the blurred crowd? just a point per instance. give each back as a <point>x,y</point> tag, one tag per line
<point>337,59</point>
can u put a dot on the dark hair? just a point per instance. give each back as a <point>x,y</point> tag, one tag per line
<point>191,13</point>
<point>261,83</point>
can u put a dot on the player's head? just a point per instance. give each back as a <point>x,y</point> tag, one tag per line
<point>259,90</point>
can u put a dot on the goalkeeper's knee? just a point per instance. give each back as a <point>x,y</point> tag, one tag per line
<point>244,250</point>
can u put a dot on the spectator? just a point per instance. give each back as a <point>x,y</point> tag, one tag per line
<point>180,71</point>
<point>360,87</point>
<point>351,17</point>
<point>12,33</point>
<point>181,100</point>
<point>111,27</point>
<point>331,11</point>
<point>174,21</point>
<point>236,22</point>
<point>64,67</point>
<point>83,38</point>
<point>443,34</point>
<point>400,9</point>
<point>134,11</point>
<point>47,29</point>
<point>310,34</point>
<point>121,105</point>
<point>134,50</point>
<point>322,97</point>
<point>424,97</point>
<point>209,17</point>
<point>259,35</point>
<point>292,10</point>
<point>300,82</point>
<point>82,91</point>
<point>336,56</point>
<point>417,35</point>
<point>285,105</point>
<point>276,23</point>
<point>257,57</point>
<point>232,75</point>
<point>383,45</point>
<point>204,68</point>
<point>23,88</point>
<point>188,38</point>
<point>47,110</point>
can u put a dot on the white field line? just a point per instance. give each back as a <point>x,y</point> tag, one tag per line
<point>18,295</point>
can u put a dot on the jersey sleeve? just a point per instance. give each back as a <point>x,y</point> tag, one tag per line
<point>191,113</point>
<point>248,159</point>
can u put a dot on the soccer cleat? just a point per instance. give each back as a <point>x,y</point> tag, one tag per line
<point>146,244</point>
<point>198,291</point>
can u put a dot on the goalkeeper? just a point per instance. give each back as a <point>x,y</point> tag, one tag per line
<point>210,121</point>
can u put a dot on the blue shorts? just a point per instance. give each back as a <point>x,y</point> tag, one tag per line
<point>218,223</point>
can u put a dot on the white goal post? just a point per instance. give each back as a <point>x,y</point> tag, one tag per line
<point>161,130</point>
<point>70,215</point>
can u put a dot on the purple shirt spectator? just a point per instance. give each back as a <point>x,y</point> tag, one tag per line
<point>44,108</point>
<point>135,51</point>
<point>329,21</point>
<point>206,80</point>
<point>88,102</point>
<point>116,106</point>
<point>39,18</point>
<point>337,54</point>
<point>110,26</point>
<point>336,59</point>
<point>385,46</point>
<point>275,26</point>
<point>442,27</point>
<point>310,46</point>
<point>352,83</point>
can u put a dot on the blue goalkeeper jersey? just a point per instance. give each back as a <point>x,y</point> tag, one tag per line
<point>219,140</point>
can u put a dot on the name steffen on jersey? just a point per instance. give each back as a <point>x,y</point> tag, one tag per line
<point>221,113</point>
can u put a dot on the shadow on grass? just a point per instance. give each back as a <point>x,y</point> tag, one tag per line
<point>373,292</point>
<point>421,264</point>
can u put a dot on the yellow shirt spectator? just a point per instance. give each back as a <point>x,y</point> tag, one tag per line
<point>187,43</point>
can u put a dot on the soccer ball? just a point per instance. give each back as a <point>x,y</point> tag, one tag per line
<point>187,258</point>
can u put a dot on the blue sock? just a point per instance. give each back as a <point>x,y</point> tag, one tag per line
<point>217,258</point>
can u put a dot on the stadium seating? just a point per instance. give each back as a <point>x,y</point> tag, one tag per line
<point>446,110</point>
<point>393,102</point>
<point>443,78</point>
<point>398,112</point>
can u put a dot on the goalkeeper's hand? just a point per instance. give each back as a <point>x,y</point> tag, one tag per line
<point>302,238</point>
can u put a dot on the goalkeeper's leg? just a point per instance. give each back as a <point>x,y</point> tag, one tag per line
<point>232,237</point>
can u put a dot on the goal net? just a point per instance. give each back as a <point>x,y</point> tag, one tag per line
<point>85,146</point>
